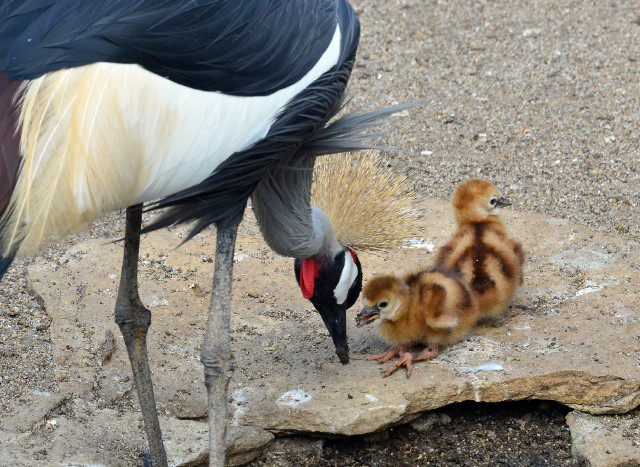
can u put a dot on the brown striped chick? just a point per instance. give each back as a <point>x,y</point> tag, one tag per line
<point>481,250</point>
<point>431,307</point>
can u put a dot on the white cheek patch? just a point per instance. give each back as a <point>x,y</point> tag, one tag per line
<point>348,275</point>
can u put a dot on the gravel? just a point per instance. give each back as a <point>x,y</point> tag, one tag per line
<point>540,97</point>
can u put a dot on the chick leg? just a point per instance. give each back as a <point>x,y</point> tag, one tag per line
<point>389,354</point>
<point>216,349</point>
<point>429,352</point>
<point>134,321</point>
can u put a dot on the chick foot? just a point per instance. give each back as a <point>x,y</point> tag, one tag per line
<point>407,358</point>
<point>389,354</point>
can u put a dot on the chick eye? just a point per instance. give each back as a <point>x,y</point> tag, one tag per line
<point>382,304</point>
<point>493,201</point>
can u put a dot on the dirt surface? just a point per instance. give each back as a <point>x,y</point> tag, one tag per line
<point>539,97</point>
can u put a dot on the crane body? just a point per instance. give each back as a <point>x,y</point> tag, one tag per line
<point>188,106</point>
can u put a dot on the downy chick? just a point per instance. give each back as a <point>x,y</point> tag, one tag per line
<point>432,307</point>
<point>481,250</point>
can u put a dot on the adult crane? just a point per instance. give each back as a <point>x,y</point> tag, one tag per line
<point>194,106</point>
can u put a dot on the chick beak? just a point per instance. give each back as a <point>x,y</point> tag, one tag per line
<point>336,323</point>
<point>367,315</point>
<point>502,202</point>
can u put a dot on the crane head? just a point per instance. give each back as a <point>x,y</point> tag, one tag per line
<point>333,286</point>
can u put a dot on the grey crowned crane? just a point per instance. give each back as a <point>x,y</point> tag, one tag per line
<point>192,107</point>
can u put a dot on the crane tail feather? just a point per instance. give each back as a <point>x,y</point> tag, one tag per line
<point>349,132</point>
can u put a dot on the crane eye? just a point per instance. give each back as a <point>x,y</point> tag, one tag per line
<point>382,304</point>
<point>493,201</point>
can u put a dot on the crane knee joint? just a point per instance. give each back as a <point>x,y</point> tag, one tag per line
<point>217,360</point>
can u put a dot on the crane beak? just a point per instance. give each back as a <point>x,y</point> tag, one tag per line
<point>335,319</point>
<point>502,202</point>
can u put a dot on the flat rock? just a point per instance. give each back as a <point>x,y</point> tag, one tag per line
<point>245,443</point>
<point>571,334</point>
<point>605,441</point>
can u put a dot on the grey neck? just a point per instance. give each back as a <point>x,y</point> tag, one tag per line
<point>323,231</point>
<point>288,222</point>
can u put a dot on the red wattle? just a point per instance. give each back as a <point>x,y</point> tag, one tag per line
<point>308,272</point>
<point>353,254</point>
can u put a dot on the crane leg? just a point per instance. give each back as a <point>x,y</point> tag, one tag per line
<point>134,321</point>
<point>216,349</point>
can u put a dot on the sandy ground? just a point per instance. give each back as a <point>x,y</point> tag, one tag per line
<point>541,97</point>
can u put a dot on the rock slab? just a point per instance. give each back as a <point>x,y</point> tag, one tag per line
<point>571,334</point>
<point>605,441</point>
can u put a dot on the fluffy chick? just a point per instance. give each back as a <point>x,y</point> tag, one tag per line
<point>481,250</point>
<point>432,307</point>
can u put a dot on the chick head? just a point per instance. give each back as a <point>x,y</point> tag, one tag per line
<point>476,200</point>
<point>382,298</point>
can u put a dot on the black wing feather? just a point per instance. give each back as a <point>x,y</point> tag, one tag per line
<point>239,47</point>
